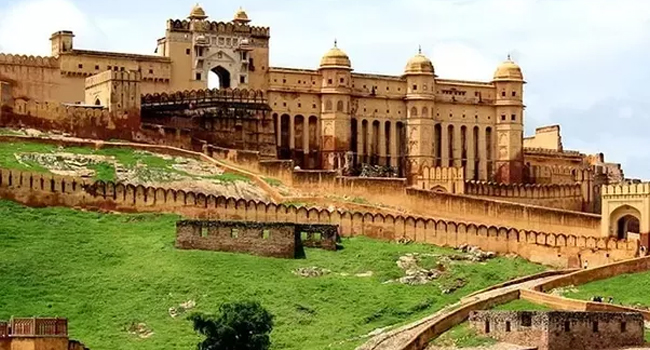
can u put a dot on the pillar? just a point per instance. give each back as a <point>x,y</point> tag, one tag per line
<point>458,147</point>
<point>444,144</point>
<point>482,154</point>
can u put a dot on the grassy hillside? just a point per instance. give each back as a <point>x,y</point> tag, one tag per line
<point>106,272</point>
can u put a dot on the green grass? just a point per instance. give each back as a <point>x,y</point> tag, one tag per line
<point>229,177</point>
<point>103,171</point>
<point>273,182</point>
<point>106,271</point>
<point>521,305</point>
<point>462,336</point>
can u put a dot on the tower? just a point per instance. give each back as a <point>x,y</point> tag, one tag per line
<point>62,41</point>
<point>509,83</point>
<point>420,107</point>
<point>335,70</point>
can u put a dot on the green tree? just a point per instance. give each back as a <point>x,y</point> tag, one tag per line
<point>238,326</point>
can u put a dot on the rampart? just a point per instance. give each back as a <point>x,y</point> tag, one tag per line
<point>215,95</point>
<point>274,239</point>
<point>626,189</point>
<point>552,249</point>
<point>215,27</point>
<point>562,196</point>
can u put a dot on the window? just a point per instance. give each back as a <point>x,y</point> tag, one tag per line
<point>514,93</point>
<point>623,326</point>
<point>81,66</point>
<point>594,327</point>
<point>507,326</point>
<point>242,79</point>
<point>150,71</point>
<point>244,55</point>
<point>234,233</point>
<point>198,76</point>
<point>503,93</point>
<point>317,236</point>
<point>313,106</point>
<point>415,87</point>
<point>567,326</point>
<point>284,81</point>
<point>339,106</point>
<point>503,117</point>
<point>513,117</point>
<point>304,236</point>
<point>329,81</point>
<point>299,105</point>
<point>526,320</point>
<point>109,67</point>
<point>299,81</point>
<point>342,80</point>
<point>187,51</point>
<point>266,234</point>
<point>122,69</point>
<point>284,104</point>
<point>487,326</point>
<point>97,67</point>
<point>476,116</point>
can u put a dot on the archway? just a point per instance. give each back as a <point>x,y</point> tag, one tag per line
<point>627,224</point>
<point>219,78</point>
<point>623,220</point>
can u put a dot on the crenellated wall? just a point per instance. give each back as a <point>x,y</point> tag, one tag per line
<point>556,250</point>
<point>562,196</point>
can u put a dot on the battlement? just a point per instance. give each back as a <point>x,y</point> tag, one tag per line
<point>220,28</point>
<point>481,188</point>
<point>34,327</point>
<point>224,95</point>
<point>29,61</point>
<point>544,151</point>
<point>623,189</point>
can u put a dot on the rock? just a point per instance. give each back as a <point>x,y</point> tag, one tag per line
<point>311,272</point>
<point>140,330</point>
<point>364,274</point>
<point>181,308</point>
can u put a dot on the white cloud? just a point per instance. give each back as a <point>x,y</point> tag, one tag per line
<point>584,60</point>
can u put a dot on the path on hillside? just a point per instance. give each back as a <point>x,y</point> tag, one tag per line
<point>393,340</point>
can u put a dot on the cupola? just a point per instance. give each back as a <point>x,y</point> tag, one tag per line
<point>241,16</point>
<point>336,58</point>
<point>419,64</point>
<point>508,71</point>
<point>197,13</point>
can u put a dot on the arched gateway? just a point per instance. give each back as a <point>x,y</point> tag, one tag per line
<point>626,211</point>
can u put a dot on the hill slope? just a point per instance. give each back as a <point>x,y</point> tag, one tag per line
<point>108,273</point>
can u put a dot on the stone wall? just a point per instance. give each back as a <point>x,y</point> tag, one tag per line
<point>560,196</point>
<point>560,330</point>
<point>274,239</point>
<point>559,250</point>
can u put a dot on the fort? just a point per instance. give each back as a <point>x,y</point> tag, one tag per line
<point>435,161</point>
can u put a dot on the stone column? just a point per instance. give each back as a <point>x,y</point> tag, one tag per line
<point>469,137</point>
<point>382,143</point>
<point>305,140</point>
<point>393,144</point>
<point>292,133</point>
<point>458,147</point>
<point>444,144</point>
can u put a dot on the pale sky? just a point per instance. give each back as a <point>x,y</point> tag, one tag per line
<point>585,61</point>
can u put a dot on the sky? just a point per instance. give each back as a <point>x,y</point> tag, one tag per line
<point>585,61</point>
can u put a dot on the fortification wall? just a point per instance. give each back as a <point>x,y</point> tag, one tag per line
<point>39,190</point>
<point>32,77</point>
<point>561,196</point>
<point>441,179</point>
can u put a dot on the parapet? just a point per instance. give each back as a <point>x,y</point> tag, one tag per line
<point>627,189</point>
<point>29,61</point>
<point>221,95</point>
<point>34,327</point>
<point>213,27</point>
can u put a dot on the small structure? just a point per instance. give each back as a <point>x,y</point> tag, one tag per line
<point>37,333</point>
<point>560,330</point>
<point>275,239</point>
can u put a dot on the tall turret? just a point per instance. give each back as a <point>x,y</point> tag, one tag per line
<point>420,106</point>
<point>62,42</point>
<point>336,81</point>
<point>509,83</point>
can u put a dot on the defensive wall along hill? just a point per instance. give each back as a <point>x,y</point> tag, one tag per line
<point>394,193</point>
<point>559,250</point>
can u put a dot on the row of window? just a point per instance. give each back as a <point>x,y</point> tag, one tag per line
<point>526,321</point>
<point>266,234</point>
<point>114,68</point>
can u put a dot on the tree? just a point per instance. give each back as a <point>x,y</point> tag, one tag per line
<point>238,326</point>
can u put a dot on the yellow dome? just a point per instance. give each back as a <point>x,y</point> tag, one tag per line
<point>419,64</point>
<point>335,58</point>
<point>508,71</point>
<point>241,16</point>
<point>197,13</point>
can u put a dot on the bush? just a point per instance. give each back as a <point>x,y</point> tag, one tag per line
<point>238,326</point>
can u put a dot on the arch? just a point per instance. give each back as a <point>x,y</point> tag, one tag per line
<point>328,105</point>
<point>219,77</point>
<point>414,112</point>
<point>98,102</point>
<point>623,219</point>
<point>339,106</point>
